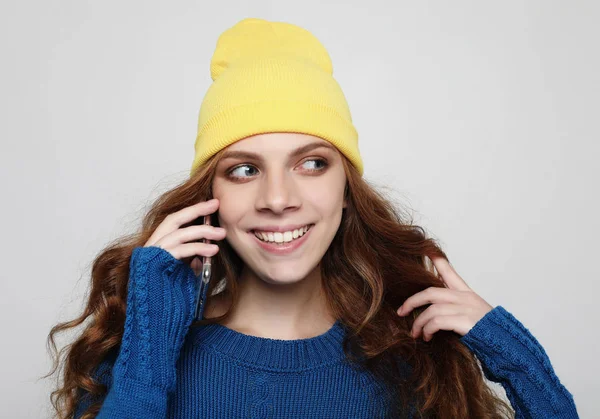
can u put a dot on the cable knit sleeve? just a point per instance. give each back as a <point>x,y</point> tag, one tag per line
<point>510,355</point>
<point>161,298</point>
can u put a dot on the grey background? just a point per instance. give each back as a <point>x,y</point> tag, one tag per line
<point>480,116</point>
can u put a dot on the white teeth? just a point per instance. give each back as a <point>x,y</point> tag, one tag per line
<point>279,237</point>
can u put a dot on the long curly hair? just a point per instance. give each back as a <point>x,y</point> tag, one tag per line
<point>377,259</point>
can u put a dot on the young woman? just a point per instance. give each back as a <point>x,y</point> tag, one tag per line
<point>328,301</point>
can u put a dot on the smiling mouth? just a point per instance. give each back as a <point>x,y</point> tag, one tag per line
<point>281,238</point>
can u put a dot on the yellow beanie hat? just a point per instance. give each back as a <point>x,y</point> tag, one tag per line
<point>272,77</point>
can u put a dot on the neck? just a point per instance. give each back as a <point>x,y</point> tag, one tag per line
<point>280,311</point>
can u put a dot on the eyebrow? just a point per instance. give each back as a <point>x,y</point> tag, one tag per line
<point>300,150</point>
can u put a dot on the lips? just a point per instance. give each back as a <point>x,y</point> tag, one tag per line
<point>279,229</point>
<point>280,237</point>
<point>284,248</point>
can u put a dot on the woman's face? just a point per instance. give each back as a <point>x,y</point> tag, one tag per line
<point>272,184</point>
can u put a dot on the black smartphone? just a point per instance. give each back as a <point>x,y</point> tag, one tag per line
<point>205,274</point>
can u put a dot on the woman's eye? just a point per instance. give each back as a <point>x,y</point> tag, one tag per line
<point>321,161</point>
<point>247,170</point>
<point>240,170</point>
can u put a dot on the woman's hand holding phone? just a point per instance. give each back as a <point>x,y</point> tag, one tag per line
<point>161,302</point>
<point>184,243</point>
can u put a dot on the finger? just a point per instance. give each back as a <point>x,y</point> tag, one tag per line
<point>449,275</point>
<point>455,323</point>
<point>429,296</point>
<point>436,310</point>
<point>191,234</point>
<point>193,249</point>
<point>186,215</point>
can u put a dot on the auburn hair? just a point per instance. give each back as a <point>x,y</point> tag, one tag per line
<point>377,259</point>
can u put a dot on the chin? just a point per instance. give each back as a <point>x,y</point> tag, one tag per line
<point>282,275</point>
<point>281,272</point>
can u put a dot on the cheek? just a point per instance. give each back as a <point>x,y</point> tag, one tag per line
<point>229,213</point>
<point>229,208</point>
<point>328,192</point>
<point>325,201</point>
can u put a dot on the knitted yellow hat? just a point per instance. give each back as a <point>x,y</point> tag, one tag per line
<point>272,77</point>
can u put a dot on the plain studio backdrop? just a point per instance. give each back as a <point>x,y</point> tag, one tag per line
<point>481,117</point>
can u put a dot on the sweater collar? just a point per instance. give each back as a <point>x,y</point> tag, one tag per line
<point>273,354</point>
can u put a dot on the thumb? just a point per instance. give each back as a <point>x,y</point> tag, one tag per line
<point>196,265</point>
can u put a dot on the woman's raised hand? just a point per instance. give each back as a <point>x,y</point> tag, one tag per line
<point>183,243</point>
<point>456,308</point>
<point>161,298</point>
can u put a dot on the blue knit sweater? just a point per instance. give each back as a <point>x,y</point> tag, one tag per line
<point>166,369</point>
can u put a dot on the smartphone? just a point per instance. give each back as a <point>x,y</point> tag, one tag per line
<point>204,276</point>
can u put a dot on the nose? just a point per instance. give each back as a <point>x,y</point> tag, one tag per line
<point>278,193</point>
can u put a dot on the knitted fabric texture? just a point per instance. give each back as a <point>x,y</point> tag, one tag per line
<point>221,373</point>
<point>272,77</point>
<point>160,309</point>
